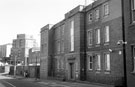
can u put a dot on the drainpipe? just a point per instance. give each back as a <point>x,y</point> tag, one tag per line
<point>124,45</point>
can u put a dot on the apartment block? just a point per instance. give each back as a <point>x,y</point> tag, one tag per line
<point>21,46</point>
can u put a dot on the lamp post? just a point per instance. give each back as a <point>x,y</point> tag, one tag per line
<point>15,67</point>
<point>36,66</point>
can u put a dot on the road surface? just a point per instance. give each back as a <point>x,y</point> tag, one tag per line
<point>12,82</point>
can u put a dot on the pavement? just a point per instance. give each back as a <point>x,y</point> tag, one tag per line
<point>58,83</point>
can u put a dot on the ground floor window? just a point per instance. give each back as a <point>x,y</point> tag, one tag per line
<point>90,62</point>
<point>98,61</point>
<point>107,61</point>
<point>133,57</point>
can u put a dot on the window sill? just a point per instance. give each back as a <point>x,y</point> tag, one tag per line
<point>97,45</point>
<point>133,72</point>
<point>132,24</point>
<point>98,71</point>
<point>106,43</point>
<point>90,69</point>
<point>105,16</point>
<point>107,72</point>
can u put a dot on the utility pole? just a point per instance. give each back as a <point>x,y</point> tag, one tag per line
<point>15,67</point>
<point>36,68</point>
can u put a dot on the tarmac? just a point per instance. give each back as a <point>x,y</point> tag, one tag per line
<point>58,83</point>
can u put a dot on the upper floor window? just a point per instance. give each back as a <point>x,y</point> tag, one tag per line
<point>90,37</point>
<point>96,14</point>
<point>133,10</point>
<point>90,17</point>
<point>107,61</point>
<point>58,64</point>
<point>62,46</point>
<point>58,45</point>
<point>97,36</point>
<point>72,35</point>
<point>107,34</point>
<point>106,9</point>
<point>62,29</point>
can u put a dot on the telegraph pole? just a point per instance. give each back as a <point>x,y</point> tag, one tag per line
<point>15,67</point>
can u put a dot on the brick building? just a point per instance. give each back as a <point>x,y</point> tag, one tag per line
<point>21,46</point>
<point>95,44</point>
<point>34,62</point>
<point>104,30</point>
<point>46,51</point>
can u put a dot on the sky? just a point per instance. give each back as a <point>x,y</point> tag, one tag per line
<point>29,16</point>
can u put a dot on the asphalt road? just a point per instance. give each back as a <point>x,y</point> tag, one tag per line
<point>11,82</point>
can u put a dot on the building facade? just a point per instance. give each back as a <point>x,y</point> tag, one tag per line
<point>21,47</point>
<point>5,50</point>
<point>94,43</point>
<point>104,30</point>
<point>34,62</point>
<point>46,50</point>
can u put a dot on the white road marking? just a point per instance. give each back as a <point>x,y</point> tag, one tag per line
<point>9,83</point>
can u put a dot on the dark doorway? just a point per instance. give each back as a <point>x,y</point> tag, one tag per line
<point>71,65</point>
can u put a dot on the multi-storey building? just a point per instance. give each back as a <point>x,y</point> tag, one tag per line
<point>21,47</point>
<point>104,29</point>
<point>95,43</point>
<point>5,50</point>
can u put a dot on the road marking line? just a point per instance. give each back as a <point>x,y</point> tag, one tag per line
<point>9,83</point>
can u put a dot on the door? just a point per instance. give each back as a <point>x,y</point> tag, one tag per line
<point>71,66</point>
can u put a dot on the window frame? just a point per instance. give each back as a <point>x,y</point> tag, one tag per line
<point>133,11</point>
<point>98,61</point>
<point>72,35</point>
<point>90,62</point>
<point>106,9</point>
<point>107,64</point>
<point>106,36</point>
<point>133,57</point>
<point>97,14</point>
<point>90,37</point>
<point>90,17</point>
<point>97,36</point>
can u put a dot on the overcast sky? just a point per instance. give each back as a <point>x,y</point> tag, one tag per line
<point>28,16</point>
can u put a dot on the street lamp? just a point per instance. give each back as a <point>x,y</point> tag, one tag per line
<point>36,66</point>
<point>123,43</point>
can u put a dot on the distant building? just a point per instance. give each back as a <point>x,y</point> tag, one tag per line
<point>21,47</point>
<point>34,56</point>
<point>34,62</point>
<point>5,50</point>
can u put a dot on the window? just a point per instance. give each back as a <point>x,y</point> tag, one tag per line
<point>107,35</point>
<point>97,31</point>
<point>62,29</point>
<point>97,14</point>
<point>106,9</point>
<point>58,64</point>
<point>90,17</point>
<point>90,64</point>
<point>90,37</point>
<point>72,36</point>
<point>98,62</point>
<point>133,57</point>
<point>133,10</point>
<point>62,46</point>
<point>58,47</point>
<point>62,64</point>
<point>107,61</point>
